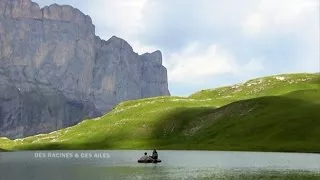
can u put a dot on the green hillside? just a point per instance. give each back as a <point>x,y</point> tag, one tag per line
<point>2,150</point>
<point>266,86</point>
<point>276,113</point>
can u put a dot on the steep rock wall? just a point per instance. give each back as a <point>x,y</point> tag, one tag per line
<point>54,70</point>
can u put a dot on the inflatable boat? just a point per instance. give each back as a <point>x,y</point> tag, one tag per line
<point>150,161</point>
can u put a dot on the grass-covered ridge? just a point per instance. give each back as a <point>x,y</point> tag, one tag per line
<point>266,86</point>
<point>276,113</point>
<point>2,150</point>
<point>5,143</point>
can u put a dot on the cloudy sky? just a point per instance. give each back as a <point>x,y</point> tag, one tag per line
<point>211,43</point>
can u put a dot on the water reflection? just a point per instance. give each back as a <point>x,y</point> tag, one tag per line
<point>175,165</point>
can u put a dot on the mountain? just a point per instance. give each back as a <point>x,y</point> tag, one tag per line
<point>275,113</point>
<point>55,72</point>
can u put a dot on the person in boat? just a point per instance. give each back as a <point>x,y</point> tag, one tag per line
<point>145,157</point>
<point>154,155</point>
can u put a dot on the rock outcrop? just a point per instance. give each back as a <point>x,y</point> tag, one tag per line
<point>55,72</point>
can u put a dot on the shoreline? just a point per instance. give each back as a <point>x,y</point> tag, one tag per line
<point>200,150</point>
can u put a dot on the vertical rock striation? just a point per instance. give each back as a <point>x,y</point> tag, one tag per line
<point>54,70</point>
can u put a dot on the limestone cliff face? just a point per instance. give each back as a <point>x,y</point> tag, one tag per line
<point>54,70</point>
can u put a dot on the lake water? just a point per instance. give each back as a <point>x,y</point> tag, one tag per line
<point>103,165</point>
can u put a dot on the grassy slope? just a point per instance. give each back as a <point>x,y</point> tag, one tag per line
<point>266,86</point>
<point>5,143</point>
<point>276,113</point>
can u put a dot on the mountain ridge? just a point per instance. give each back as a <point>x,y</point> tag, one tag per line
<point>28,9</point>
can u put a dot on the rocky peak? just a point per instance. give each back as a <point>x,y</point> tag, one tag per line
<point>65,13</point>
<point>155,57</point>
<point>31,10</point>
<point>118,43</point>
<point>20,9</point>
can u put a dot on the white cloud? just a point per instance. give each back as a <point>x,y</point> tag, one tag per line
<point>195,63</point>
<point>254,65</point>
<point>198,64</point>
<point>274,16</point>
<point>121,17</point>
<point>254,23</point>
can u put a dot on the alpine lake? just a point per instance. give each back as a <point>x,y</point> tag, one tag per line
<point>122,164</point>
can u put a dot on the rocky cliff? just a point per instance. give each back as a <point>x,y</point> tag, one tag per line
<point>54,70</point>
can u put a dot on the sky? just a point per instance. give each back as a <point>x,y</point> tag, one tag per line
<point>212,43</point>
